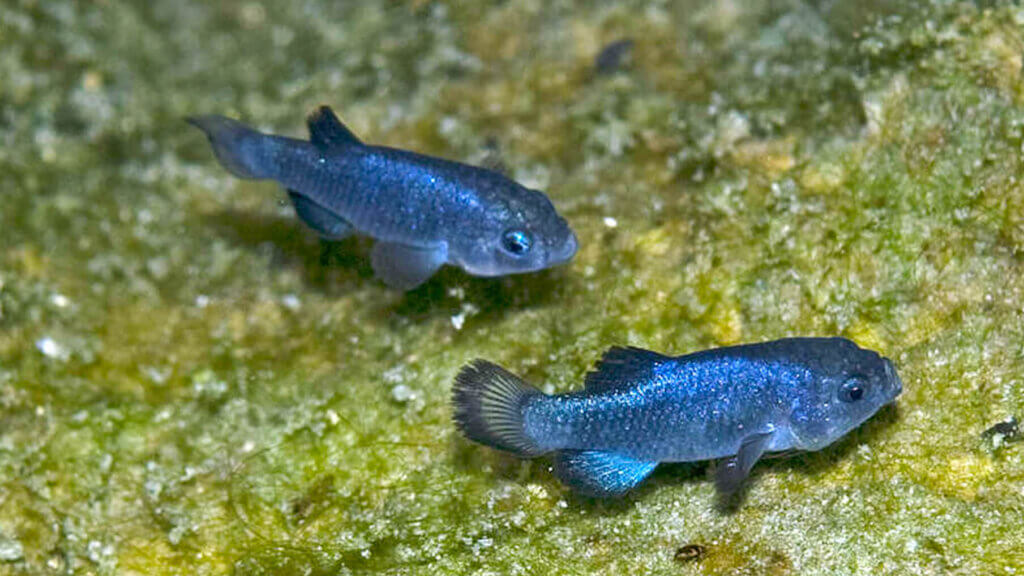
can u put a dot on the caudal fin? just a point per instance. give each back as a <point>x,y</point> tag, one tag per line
<point>240,149</point>
<point>488,402</point>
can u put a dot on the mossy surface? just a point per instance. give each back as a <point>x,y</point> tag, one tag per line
<point>191,384</point>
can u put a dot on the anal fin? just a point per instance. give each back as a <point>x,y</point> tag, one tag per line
<point>405,267</point>
<point>327,224</point>
<point>601,474</point>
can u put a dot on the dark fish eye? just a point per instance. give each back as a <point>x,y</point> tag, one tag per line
<point>853,389</point>
<point>516,242</point>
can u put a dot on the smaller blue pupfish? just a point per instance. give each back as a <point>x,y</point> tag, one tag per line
<point>423,211</point>
<point>639,408</point>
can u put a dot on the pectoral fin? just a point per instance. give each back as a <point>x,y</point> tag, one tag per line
<point>406,267</point>
<point>733,470</point>
<point>602,474</point>
<point>328,225</point>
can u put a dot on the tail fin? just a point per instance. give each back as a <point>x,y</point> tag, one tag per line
<point>239,148</point>
<point>488,402</point>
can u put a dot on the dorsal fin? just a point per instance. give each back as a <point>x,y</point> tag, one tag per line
<point>326,132</point>
<point>622,367</point>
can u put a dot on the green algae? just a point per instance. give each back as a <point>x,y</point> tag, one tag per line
<point>191,384</point>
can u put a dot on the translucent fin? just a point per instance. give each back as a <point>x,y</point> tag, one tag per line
<point>405,267</point>
<point>326,132</point>
<point>602,474</point>
<point>732,471</point>
<point>622,367</point>
<point>488,405</point>
<point>239,148</point>
<point>324,222</point>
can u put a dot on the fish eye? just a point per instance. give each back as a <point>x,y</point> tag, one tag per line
<point>516,242</point>
<point>854,389</point>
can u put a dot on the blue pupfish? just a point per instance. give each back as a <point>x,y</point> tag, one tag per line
<point>424,212</point>
<point>639,408</point>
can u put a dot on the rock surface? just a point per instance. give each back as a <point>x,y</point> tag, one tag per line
<point>191,384</point>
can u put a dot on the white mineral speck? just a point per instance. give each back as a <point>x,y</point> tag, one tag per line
<point>402,393</point>
<point>202,301</point>
<point>291,302</point>
<point>157,375</point>
<point>394,375</point>
<point>467,310</point>
<point>10,549</point>
<point>60,300</point>
<point>176,533</point>
<point>459,320</point>
<point>610,222</point>
<point>51,348</point>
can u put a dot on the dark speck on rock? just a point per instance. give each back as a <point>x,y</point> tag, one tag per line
<point>614,56</point>
<point>1006,431</point>
<point>690,553</point>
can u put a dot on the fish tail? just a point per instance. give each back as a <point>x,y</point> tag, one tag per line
<point>488,402</point>
<point>242,150</point>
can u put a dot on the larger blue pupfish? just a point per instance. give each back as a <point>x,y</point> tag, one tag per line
<point>639,408</point>
<point>423,211</point>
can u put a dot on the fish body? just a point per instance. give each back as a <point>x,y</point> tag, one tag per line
<point>640,408</point>
<point>423,211</point>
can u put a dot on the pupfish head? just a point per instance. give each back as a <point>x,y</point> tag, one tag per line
<point>521,232</point>
<point>849,384</point>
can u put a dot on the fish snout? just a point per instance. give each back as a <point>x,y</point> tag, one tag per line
<point>564,251</point>
<point>893,378</point>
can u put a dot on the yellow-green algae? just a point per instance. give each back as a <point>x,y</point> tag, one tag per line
<point>190,385</point>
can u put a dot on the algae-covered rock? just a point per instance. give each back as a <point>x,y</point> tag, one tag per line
<point>190,383</point>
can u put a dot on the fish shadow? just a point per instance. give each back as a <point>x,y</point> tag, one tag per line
<point>328,267</point>
<point>473,459</point>
<point>450,291</point>
<point>470,458</point>
<point>673,474</point>
<point>811,463</point>
<point>335,268</point>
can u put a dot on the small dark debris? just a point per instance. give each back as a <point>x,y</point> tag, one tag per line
<point>690,553</point>
<point>614,56</point>
<point>315,499</point>
<point>492,156</point>
<point>1009,430</point>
